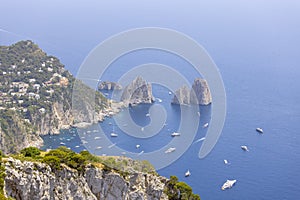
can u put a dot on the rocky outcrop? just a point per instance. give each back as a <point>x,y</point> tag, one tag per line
<point>138,91</point>
<point>37,181</point>
<point>107,85</point>
<point>182,96</point>
<point>18,135</point>
<point>199,94</point>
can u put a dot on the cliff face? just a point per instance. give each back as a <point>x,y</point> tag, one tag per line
<point>138,91</point>
<point>36,181</point>
<point>36,97</point>
<point>199,94</point>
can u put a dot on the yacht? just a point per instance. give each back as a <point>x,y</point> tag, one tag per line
<point>148,115</point>
<point>187,173</point>
<point>113,135</point>
<point>175,134</point>
<point>226,162</point>
<point>228,184</point>
<point>259,130</point>
<point>170,150</point>
<point>99,147</point>
<point>97,138</point>
<point>245,148</point>
<point>137,146</point>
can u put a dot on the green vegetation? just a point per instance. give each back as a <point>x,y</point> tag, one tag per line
<point>31,83</point>
<point>179,190</point>
<point>31,152</point>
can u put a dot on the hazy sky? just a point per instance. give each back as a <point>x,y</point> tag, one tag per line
<point>70,29</point>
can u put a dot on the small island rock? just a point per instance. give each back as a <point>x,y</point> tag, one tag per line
<point>107,85</point>
<point>138,91</point>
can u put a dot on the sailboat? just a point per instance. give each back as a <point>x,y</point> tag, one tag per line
<point>113,134</point>
<point>187,173</point>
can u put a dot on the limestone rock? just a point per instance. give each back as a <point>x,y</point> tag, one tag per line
<point>182,96</point>
<point>34,181</point>
<point>138,91</point>
<point>201,94</point>
<point>107,85</point>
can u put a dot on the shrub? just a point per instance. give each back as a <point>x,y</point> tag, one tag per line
<point>31,152</point>
<point>52,161</point>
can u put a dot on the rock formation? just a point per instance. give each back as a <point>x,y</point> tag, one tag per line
<point>138,91</point>
<point>182,96</point>
<point>37,181</point>
<point>107,85</point>
<point>199,94</point>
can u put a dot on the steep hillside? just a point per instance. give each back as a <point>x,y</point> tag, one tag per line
<point>36,96</point>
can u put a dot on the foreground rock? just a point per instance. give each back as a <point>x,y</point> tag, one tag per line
<point>37,181</point>
<point>199,94</point>
<point>107,85</point>
<point>138,91</point>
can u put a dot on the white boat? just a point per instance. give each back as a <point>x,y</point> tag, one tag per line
<point>170,150</point>
<point>113,135</point>
<point>170,93</point>
<point>198,113</point>
<point>148,115</point>
<point>259,130</point>
<point>112,145</point>
<point>245,148</point>
<point>175,134</point>
<point>142,129</point>
<point>137,146</point>
<point>226,162</point>
<point>97,138</point>
<point>99,147</point>
<point>199,140</point>
<point>205,125</point>
<point>187,173</point>
<point>77,146</point>
<point>159,100</point>
<point>62,143</point>
<point>228,184</point>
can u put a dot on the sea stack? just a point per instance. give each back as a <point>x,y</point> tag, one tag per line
<point>199,94</point>
<point>182,96</point>
<point>138,91</point>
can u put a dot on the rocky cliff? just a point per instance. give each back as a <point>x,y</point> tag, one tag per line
<point>36,97</point>
<point>37,181</point>
<point>138,91</point>
<point>199,94</point>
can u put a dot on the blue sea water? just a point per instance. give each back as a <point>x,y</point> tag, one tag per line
<point>255,44</point>
<point>265,97</point>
